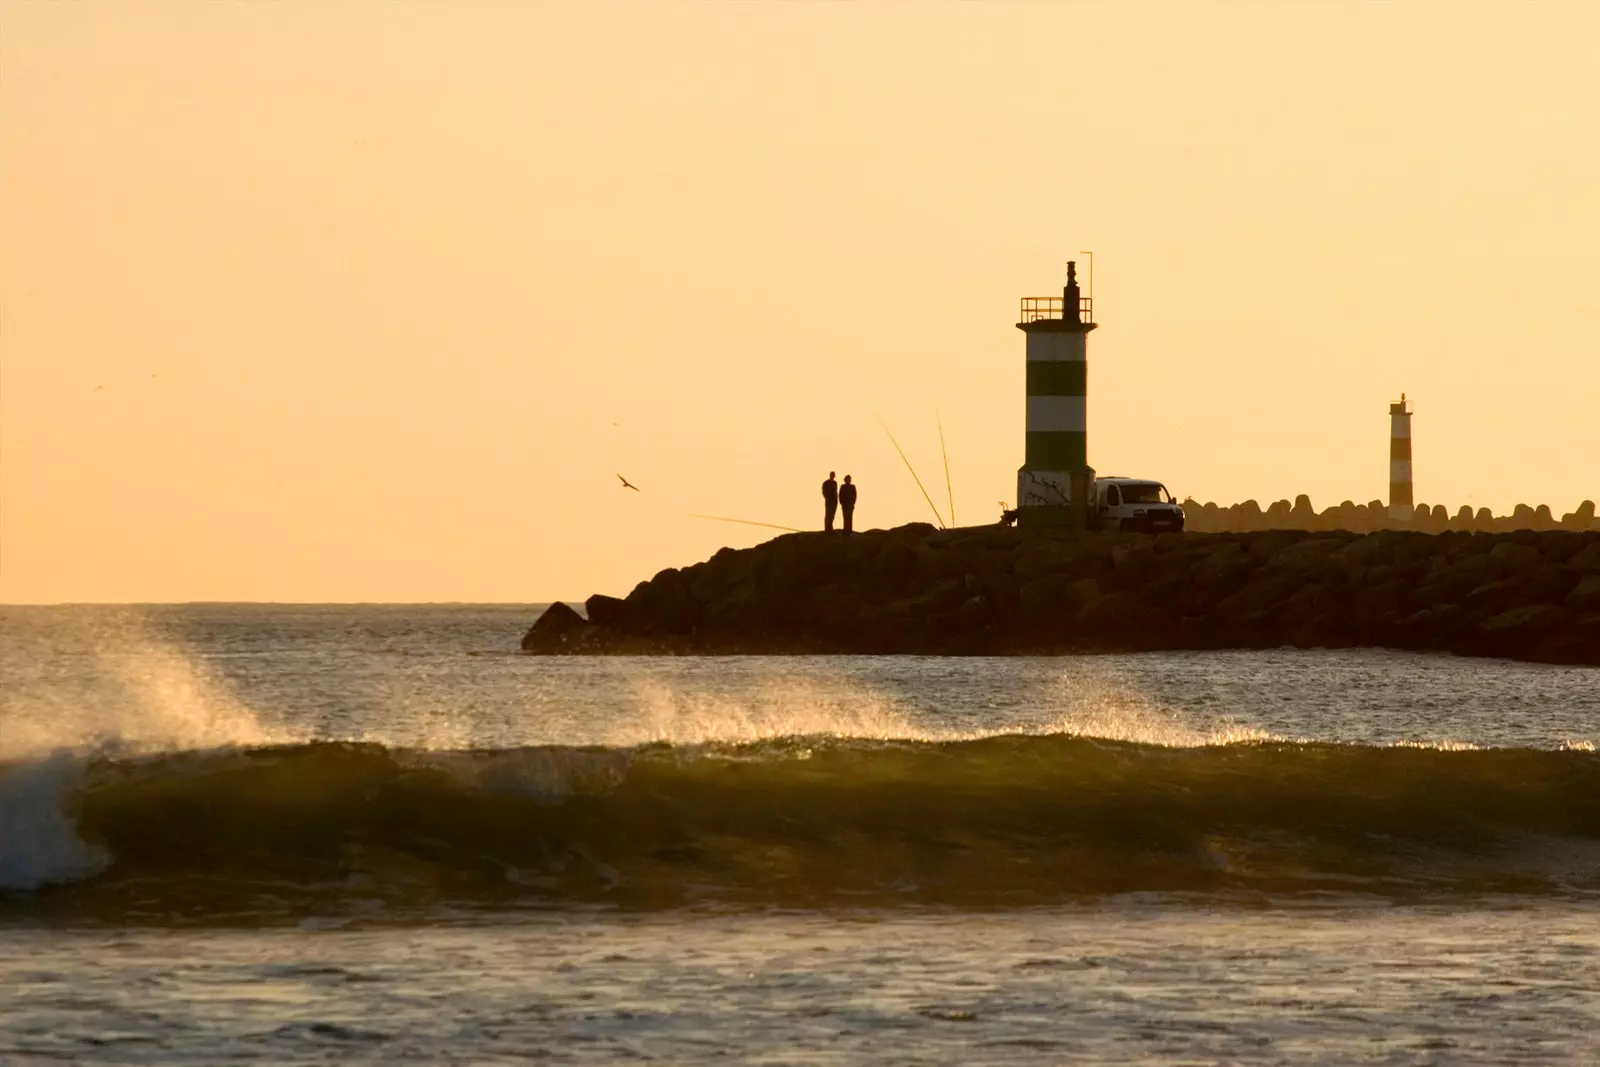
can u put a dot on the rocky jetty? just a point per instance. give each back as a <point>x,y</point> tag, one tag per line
<point>994,590</point>
<point>1374,515</point>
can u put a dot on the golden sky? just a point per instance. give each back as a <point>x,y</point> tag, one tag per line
<point>371,301</point>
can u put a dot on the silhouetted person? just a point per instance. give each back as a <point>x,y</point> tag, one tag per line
<point>830,501</point>
<point>847,501</point>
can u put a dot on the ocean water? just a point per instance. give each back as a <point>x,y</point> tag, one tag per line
<point>372,834</point>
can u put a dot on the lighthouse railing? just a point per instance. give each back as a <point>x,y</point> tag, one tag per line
<point>1035,308</point>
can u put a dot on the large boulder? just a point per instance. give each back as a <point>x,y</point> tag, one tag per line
<point>664,604</point>
<point>1581,519</point>
<point>1585,596</point>
<point>559,629</point>
<point>608,611</point>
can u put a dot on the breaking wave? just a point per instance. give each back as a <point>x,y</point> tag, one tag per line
<point>1008,820</point>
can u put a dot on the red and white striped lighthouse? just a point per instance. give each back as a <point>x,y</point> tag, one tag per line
<point>1401,501</point>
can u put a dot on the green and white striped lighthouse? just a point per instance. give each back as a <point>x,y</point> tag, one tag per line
<point>1055,481</point>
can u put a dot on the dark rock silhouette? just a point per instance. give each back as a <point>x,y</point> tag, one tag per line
<point>555,629</point>
<point>1374,515</point>
<point>1531,595</point>
<point>606,610</point>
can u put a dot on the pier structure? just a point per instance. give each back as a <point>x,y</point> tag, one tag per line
<point>1055,482</point>
<point>1401,501</point>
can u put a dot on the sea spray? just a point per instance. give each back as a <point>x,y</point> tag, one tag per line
<point>1095,703</point>
<point>1092,702</point>
<point>39,845</point>
<point>160,699</point>
<point>150,694</point>
<point>783,707</point>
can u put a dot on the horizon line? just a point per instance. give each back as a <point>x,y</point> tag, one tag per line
<point>279,603</point>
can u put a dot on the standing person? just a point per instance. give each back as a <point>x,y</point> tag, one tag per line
<point>830,501</point>
<point>847,501</point>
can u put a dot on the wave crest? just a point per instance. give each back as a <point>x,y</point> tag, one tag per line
<point>1003,820</point>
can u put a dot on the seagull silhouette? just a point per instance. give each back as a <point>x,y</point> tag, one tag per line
<point>627,483</point>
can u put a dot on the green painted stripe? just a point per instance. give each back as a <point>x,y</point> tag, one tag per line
<point>1056,450</point>
<point>1058,377</point>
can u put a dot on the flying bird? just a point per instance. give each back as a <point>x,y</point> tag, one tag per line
<point>627,483</point>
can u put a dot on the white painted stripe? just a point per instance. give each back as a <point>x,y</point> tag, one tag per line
<point>1057,346</point>
<point>1057,413</point>
<point>1400,512</point>
<point>1399,425</point>
<point>1399,472</point>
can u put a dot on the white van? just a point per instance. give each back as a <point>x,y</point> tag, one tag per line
<point>1136,505</point>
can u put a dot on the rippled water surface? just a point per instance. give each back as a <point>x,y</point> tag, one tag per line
<point>1129,982</point>
<point>281,834</point>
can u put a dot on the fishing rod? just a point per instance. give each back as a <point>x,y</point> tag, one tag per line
<point>909,467</point>
<point>747,522</point>
<point>948,488</point>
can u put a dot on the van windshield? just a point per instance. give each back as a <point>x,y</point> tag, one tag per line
<point>1145,493</point>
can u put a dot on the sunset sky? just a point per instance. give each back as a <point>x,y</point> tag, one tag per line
<point>372,301</point>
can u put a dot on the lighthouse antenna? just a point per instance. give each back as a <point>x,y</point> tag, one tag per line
<point>939,518</point>
<point>945,454</point>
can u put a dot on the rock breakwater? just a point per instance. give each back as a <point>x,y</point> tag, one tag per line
<point>1249,516</point>
<point>994,590</point>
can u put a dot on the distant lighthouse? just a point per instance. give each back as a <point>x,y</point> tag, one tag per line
<point>1055,481</point>
<point>1400,498</point>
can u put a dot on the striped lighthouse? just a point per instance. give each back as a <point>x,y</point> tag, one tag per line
<point>1400,498</point>
<point>1054,483</point>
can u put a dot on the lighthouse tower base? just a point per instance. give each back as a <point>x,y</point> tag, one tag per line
<point>1061,499</point>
